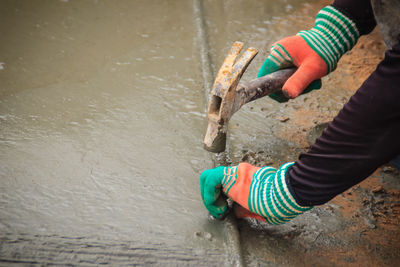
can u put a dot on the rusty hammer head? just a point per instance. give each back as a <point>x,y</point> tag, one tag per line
<point>222,96</point>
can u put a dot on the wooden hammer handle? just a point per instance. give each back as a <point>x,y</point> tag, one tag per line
<point>260,87</point>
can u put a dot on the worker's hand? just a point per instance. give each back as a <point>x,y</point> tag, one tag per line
<point>259,193</point>
<point>210,187</point>
<point>315,52</point>
<point>294,51</point>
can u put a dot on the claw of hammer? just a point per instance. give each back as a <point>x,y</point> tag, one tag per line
<point>227,95</point>
<point>222,96</point>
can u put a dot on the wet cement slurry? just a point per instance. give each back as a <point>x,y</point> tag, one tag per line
<point>101,123</point>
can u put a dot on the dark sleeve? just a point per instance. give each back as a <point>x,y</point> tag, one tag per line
<point>359,11</point>
<point>363,136</point>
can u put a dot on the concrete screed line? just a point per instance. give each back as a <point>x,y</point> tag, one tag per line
<point>234,255</point>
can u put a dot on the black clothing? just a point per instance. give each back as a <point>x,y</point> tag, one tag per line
<point>363,136</point>
<point>359,11</point>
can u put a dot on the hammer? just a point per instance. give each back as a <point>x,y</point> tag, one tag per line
<point>228,95</point>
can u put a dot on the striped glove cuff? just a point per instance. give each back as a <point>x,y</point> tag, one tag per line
<point>333,35</point>
<point>269,195</point>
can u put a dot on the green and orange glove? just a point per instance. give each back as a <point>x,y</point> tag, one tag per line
<point>315,52</point>
<point>262,193</point>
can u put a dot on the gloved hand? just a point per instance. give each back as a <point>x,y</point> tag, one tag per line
<point>261,192</point>
<point>210,189</point>
<point>315,52</point>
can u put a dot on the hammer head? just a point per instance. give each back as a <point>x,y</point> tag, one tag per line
<point>222,96</point>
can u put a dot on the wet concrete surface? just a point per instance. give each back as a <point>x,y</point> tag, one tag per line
<point>101,125</point>
<point>101,122</point>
